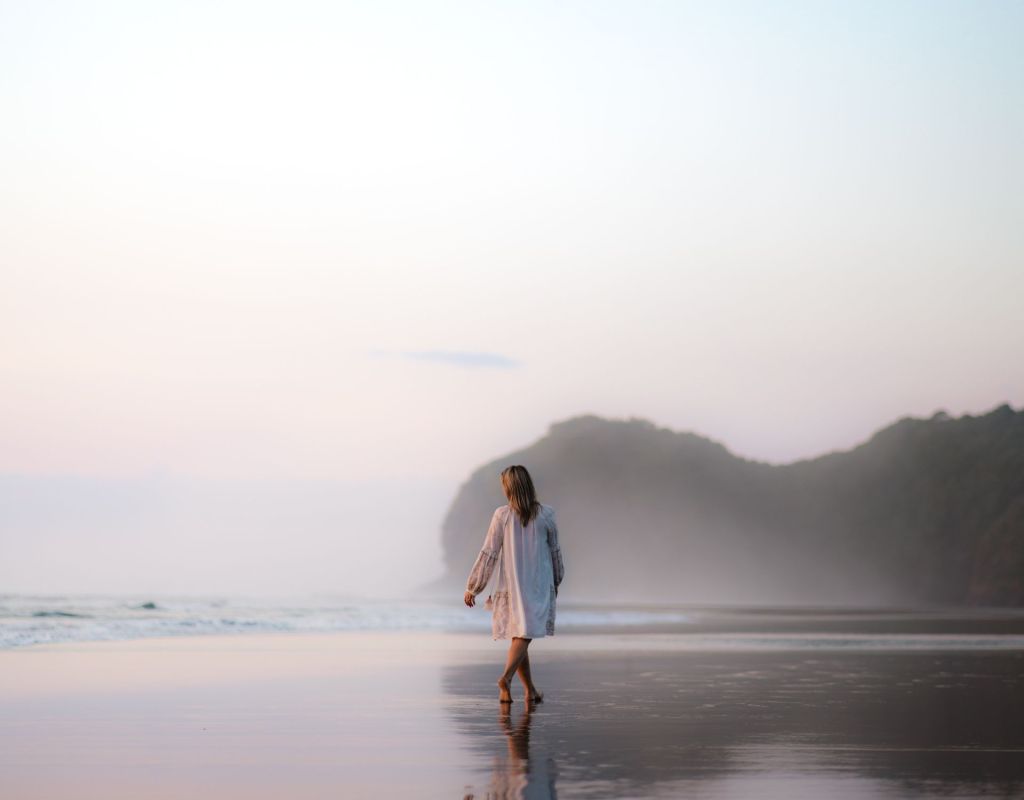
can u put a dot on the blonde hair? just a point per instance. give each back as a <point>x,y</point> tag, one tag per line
<point>518,486</point>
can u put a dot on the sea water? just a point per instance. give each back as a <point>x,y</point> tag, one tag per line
<point>39,619</point>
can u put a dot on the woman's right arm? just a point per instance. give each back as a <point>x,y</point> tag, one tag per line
<point>556,551</point>
<point>488,557</point>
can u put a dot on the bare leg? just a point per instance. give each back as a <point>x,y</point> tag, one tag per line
<point>532,695</point>
<point>516,653</point>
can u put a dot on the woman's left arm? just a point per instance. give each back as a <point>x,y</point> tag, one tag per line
<point>487,558</point>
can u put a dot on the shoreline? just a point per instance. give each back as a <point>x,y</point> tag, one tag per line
<point>23,623</point>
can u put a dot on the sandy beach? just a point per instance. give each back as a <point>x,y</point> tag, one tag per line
<point>400,714</point>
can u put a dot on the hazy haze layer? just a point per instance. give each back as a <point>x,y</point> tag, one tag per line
<point>381,242</point>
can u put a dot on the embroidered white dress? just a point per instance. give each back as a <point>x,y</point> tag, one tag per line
<point>529,564</point>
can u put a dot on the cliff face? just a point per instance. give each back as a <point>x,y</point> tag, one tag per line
<point>926,511</point>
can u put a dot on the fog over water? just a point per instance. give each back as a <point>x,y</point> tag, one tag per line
<point>275,278</point>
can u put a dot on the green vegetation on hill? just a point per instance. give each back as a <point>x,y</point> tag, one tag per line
<point>926,511</point>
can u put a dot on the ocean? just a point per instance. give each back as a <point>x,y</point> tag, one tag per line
<point>41,619</point>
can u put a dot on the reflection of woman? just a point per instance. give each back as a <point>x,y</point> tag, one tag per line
<point>523,542</point>
<point>518,776</point>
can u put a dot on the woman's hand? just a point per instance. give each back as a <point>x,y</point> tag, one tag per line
<point>469,599</point>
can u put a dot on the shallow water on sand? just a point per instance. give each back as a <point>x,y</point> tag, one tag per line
<point>736,724</point>
<point>775,712</point>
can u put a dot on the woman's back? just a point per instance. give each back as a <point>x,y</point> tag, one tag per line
<point>532,554</point>
<point>522,543</point>
<point>529,569</point>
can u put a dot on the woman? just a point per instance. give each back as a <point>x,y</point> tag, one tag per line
<point>523,542</point>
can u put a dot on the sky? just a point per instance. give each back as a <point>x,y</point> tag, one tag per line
<point>371,246</point>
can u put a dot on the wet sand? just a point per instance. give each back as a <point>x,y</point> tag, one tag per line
<point>415,715</point>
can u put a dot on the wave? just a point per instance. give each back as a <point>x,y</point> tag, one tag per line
<point>59,614</point>
<point>29,620</point>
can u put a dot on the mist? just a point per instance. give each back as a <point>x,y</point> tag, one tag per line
<point>167,534</point>
<point>275,279</point>
<point>924,512</point>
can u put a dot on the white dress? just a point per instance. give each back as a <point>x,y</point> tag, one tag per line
<point>529,563</point>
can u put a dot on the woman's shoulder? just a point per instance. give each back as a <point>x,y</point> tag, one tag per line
<point>547,511</point>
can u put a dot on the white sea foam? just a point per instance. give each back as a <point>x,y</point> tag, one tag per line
<point>26,620</point>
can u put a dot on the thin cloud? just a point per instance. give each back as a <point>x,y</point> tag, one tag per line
<point>462,358</point>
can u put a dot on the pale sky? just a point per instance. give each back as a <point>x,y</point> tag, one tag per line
<point>387,242</point>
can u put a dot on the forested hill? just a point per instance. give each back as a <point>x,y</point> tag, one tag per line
<point>926,511</point>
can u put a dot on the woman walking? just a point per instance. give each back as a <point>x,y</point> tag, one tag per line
<point>523,542</point>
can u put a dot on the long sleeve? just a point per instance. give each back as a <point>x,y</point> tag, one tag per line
<point>488,557</point>
<point>556,551</point>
